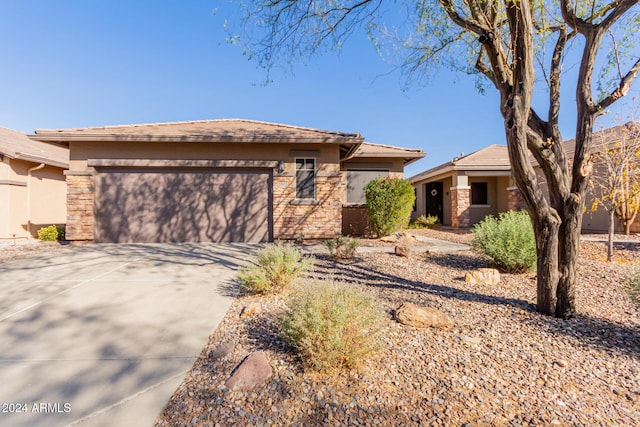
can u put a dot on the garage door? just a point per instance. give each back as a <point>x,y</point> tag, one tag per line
<point>182,205</point>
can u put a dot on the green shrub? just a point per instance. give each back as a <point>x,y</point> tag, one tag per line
<point>51,233</point>
<point>342,248</point>
<point>425,222</point>
<point>332,326</point>
<point>276,266</point>
<point>389,204</point>
<point>61,232</point>
<point>508,241</point>
<point>633,287</point>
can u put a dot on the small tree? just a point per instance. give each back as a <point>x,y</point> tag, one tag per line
<point>389,204</point>
<point>615,182</point>
<point>515,46</point>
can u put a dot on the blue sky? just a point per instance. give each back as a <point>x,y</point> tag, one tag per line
<point>84,63</point>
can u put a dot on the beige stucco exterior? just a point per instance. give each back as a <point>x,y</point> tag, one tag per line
<point>291,218</point>
<point>32,196</point>
<point>355,221</point>
<point>215,147</point>
<point>491,165</point>
<point>458,210</point>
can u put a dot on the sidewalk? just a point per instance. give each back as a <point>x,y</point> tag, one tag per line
<point>423,244</point>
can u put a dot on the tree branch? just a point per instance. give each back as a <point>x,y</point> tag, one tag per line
<point>578,24</point>
<point>622,89</point>
<point>467,24</point>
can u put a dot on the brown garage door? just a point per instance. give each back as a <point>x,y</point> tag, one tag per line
<point>182,205</point>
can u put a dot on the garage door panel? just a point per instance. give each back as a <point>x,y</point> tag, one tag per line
<point>182,206</point>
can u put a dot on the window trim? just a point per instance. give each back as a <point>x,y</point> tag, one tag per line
<point>486,193</point>
<point>362,169</point>
<point>315,176</point>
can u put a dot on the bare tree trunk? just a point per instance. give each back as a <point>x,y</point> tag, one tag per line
<point>569,245</point>
<point>612,225</point>
<point>546,232</point>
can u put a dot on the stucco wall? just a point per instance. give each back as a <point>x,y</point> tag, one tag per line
<point>592,221</point>
<point>38,200</point>
<point>479,212</point>
<point>420,186</point>
<point>355,221</point>
<point>292,218</point>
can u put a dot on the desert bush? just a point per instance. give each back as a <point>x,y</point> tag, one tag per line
<point>633,287</point>
<point>508,241</point>
<point>332,326</point>
<point>61,232</point>
<point>389,203</point>
<point>51,233</point>
<point>275,267</point>
<point>342,248</point>
<point>425,222</point>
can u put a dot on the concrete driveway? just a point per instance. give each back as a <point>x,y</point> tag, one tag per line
<point>102,335</point>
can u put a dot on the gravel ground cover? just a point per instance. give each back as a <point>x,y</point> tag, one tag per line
<point>502,364</point>
<point>10,251</point>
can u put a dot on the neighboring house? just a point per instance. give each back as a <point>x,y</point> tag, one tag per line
<point>32,185</point>
<point>468,188</point>
<point>462,192</point>
<point>215,180</point>
<point>598,221</point>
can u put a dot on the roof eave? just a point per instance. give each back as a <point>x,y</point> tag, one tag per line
<point>37,159</point>
<point>452,167</point>
<point>67,138</point>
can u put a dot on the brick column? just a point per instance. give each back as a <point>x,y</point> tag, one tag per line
<point>80,193</point>
<point>514,199</point>
<point>460,201</point>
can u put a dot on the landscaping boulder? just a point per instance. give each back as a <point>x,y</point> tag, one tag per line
<point>253,371</point>
<point>253,309</point>
<point>222,350</point>
<point>403,250</point>
<point>404,237</point>
<point>422,317</point>
<point>483,276</point>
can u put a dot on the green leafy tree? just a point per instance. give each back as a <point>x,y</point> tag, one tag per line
<point>389,204</point>
<point>515,46</point>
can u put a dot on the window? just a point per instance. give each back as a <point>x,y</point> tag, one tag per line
<point>357,180</point>
<point>305,178</point>
<point>479,193</point>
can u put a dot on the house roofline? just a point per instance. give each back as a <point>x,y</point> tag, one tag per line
<point>101,134</point>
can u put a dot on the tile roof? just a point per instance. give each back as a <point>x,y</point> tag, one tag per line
<point>225,130</point>
<point>369,150</point>
<point>492,158</point>
<point>612,135</point>
<point>17,145</point>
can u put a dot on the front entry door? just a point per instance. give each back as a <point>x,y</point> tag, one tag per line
<point>434,199</point>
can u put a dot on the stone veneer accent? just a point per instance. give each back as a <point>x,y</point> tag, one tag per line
<point>460,202</point>
<point>80,191</point>
<point>292,219</point>
<point>317,219</point>
<point>514,199</point>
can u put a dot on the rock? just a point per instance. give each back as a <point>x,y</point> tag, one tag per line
<point>253,371</point>
<point>403,250</point>
<point>222,350</point>
<point>422,317</point>
<point>253,309</point>
<point>403,237</point>
<point>470,340</point>
<point>483,276</point>
<point>391,238</point>
<point>561,362</point>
